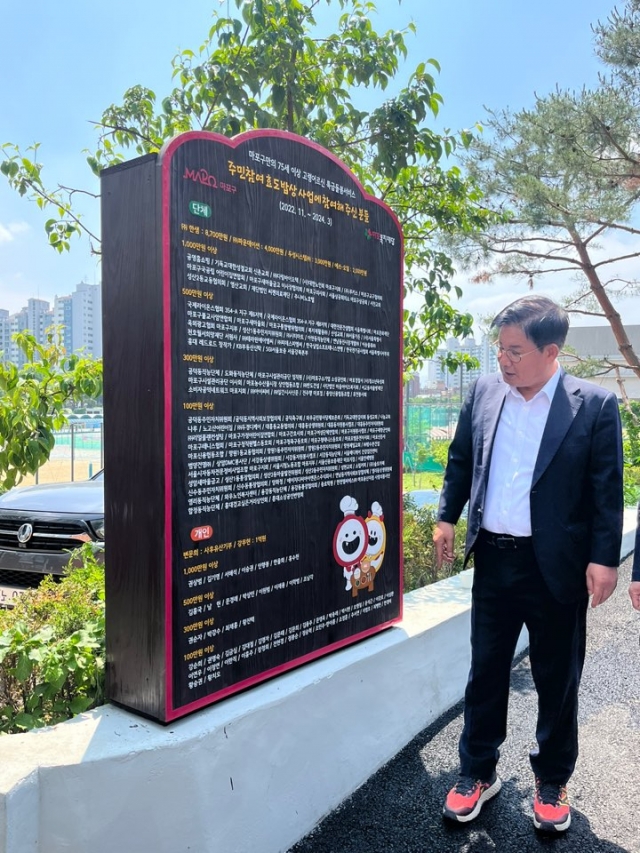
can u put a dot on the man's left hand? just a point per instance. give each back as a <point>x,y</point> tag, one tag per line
<point>634,594</point>
<point>601,582</point>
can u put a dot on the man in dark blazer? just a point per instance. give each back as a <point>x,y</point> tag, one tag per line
<point>538,455</point>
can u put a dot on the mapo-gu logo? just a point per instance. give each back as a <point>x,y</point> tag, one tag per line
<point>201,176</point>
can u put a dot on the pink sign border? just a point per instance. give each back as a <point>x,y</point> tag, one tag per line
<point>165,159</point>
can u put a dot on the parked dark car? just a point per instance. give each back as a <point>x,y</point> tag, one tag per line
<point>41,525</point>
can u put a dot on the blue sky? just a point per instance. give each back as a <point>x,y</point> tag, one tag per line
<point>61,66</point>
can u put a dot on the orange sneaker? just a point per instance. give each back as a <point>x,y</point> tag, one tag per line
<point>551,811</point>
<point>465,800</point>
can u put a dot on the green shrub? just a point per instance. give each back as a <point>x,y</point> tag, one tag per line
<point>630,414</point>
<point>419,552</point>
<point>52,648</point>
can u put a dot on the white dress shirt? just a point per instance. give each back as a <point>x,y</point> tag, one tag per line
<point>515,450</point>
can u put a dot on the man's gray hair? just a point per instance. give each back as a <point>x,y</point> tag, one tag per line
<point>540,318</point>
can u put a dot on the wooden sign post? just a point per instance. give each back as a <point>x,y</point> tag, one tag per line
<point>253,356</point>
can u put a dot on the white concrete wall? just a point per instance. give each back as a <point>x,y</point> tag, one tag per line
<point>252,774</point>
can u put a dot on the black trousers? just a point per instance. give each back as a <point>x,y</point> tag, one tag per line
<point>509,592</point>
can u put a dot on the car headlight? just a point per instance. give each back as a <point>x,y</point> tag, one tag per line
<point>98,528</point>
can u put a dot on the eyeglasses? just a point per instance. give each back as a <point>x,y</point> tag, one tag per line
<point>514,357</point>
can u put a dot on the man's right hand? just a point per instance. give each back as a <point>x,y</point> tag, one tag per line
<point>443,539</point>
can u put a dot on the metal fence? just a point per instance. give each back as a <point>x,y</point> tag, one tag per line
<point>79,449</point>
<point>77,455</point>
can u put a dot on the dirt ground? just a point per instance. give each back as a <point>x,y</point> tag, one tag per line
<point>59,470</point>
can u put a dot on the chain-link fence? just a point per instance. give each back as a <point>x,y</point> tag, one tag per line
<point>424,423</point>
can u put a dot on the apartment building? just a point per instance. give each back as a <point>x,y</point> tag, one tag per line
<point>86,319</point>
<point>63,317</point>
<point>435,376</point>
<point>79,314</point>
<point>35,316</point>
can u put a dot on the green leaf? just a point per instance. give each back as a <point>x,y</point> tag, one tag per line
<point>80,704</point>
<point>23,667</point>
<point>94,165</point>
<point>277,96</point>
<point>24,721</point>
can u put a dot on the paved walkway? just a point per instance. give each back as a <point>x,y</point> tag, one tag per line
<point>399,809</point>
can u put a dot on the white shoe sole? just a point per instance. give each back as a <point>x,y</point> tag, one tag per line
<point>545,826</point>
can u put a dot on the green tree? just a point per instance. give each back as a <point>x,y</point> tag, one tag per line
<point>440,451</point>
<point>556,216</point>
<point>269,67</point>
<point>565,177</point>
<point>32,402</point>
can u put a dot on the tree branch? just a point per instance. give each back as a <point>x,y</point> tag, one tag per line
<point>535,255</point>
<point>615,260</point>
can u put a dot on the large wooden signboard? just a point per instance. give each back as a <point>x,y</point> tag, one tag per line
<point>252,350</point>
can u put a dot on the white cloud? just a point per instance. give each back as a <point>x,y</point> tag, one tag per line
<point>9,232</point>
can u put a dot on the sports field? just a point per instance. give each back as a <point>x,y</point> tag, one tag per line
<point>74,457</point>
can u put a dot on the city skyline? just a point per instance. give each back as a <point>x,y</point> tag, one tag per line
<point>79,314</point>
<point>500,55</point>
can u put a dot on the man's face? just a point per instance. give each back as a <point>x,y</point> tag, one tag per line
<point>533,370</point>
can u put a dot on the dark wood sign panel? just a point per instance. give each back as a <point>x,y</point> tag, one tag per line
<point>252,346</point>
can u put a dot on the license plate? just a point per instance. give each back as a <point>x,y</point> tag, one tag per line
<point>8,594</point>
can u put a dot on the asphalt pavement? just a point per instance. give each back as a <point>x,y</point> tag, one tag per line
<point>399,809</point>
